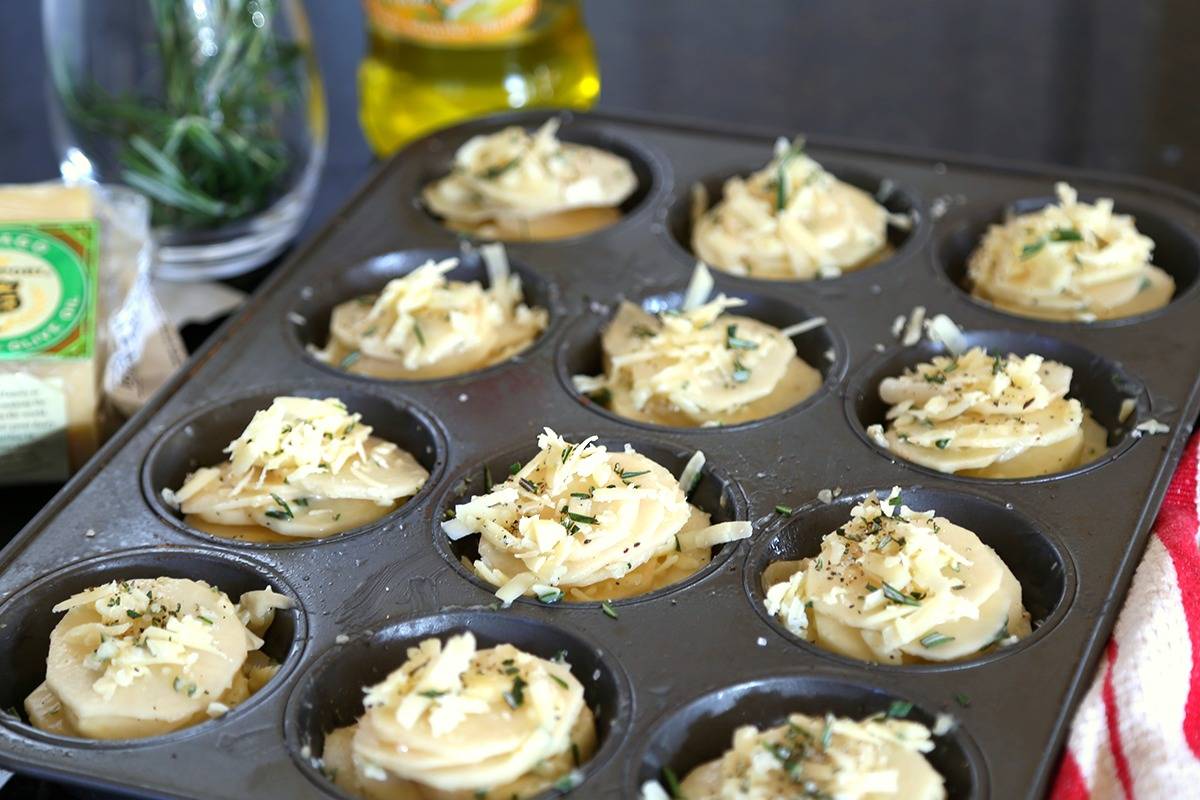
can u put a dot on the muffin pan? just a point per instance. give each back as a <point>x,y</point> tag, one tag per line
<point>674,672</point>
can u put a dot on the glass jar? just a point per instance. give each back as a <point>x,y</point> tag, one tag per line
<point>213,109</point>
<point>431,63</point>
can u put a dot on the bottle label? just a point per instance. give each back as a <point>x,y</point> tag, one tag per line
<point>450,21</point>
<point>47,290</point>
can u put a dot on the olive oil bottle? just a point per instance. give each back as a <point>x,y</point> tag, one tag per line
<point>431,63</point>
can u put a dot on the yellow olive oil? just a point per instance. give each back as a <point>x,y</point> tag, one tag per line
<point>431,63</point>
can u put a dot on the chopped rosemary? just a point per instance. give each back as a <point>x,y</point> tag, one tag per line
<point>528,485</point>
<point>781,187</point>
<point>551,597</point>
<point>735,342</point>
<point>1065,235</point>
<point>487,478</point>
<point>933,639</point>
<point>287,510</point>
<point>897,596</point>
<point>215,147</point>
<point>942,444</point>
<point>514,468</point>
<point>741,373</point>
<point>515,697</point>
<point>584,518</point>
<point>601,396</point>
<point>496,170</point>
<point>560,681</point>
<point>417,330</point>
<point>566,783</point>
<point>432,693</point>
<point>608,610</point>
<point>899,709</point>
<point>350,359</point>
<point>784,510</point>
<point>672,781</point>
<point>962,699</point>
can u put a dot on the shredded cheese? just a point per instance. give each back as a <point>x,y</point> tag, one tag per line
<point>150,655</point>
<point>516,185</point>
<point>988,415</point>
<point>302,468</point>
<point>895,585</point>
<point>588,522</point>
<point>790,220</point>
<point>1069,261</point>
<point>423,325</point>
<point>455,718</point>
<point>838,757</point>
<point>701,365</point>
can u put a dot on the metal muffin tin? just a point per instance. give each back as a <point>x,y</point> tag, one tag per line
<point>677,671</point>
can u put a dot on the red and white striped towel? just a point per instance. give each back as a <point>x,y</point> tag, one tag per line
<point>1136,735</point>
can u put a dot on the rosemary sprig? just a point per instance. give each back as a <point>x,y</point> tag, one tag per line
<point>208,147</point>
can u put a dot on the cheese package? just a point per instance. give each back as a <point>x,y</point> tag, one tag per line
<point>49,378</point>
<point>80,332</point>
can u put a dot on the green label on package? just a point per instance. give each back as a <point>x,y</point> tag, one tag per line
<point>48,290</point>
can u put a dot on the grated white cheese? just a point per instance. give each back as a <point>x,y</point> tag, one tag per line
<point>791,220</point>
<point>1128,405</point>
<point>942,330</point>
<point>1069,260</point>
<point>299,436</point>
<point>589,522</point>
<point>1150,426</point>
<point>912,332</point>
<point>877,436</point>
<point>871,758</point>
<point>791,331</point>
<point>652,790</point>
<point>699,287</point>
<point>898,585</point>
<point>447,693</point>
<point>690,477</point>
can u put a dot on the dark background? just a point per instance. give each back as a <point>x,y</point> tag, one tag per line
<point>1109,85</point>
